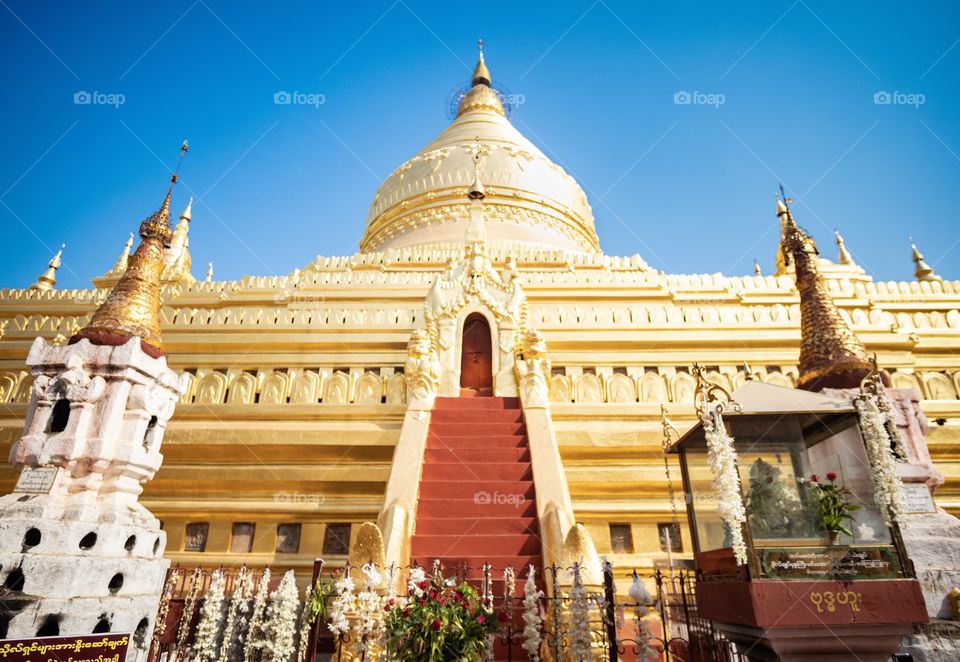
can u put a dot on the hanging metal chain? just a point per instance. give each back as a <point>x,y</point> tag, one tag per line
<point>669,429</point>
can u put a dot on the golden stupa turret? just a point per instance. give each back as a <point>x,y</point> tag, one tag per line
<point>48,278</point>
<point>177,258</point>
<point>843,255</point>
<point>132,309</point>
<point>831,355</point>
<point>923,271</point>
<point>481,94</point>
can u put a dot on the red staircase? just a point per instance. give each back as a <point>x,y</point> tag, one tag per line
<point>477,504</point>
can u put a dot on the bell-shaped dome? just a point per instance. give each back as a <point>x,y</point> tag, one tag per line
<point>530,200</point>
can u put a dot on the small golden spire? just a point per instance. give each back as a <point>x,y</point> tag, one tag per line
<point>209,272</point>
<point>843,255</point>
<point>831,355</point>
<point>923,272</point>
<point>756,268</point>
<point>481,95</point>
<point>48,278</point>
<point>132,309</point>
<point>121,264</point>
<point>481,75</point>
<point>187,214</point>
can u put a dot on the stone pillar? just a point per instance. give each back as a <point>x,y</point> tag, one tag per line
<point>79,554</point>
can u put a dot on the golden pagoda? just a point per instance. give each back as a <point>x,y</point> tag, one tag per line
<point>300,385</point>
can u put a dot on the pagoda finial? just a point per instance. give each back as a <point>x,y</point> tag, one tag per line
<point>481,75</point>
<point>187,213</point>
<point>843,255</point>
<point>831,355</point>
<point>121,264</point>
<point>923,272</point>
<point>209,272</point>
<point>757,271</point>
<point>48,278</point>
<point>132,309</point>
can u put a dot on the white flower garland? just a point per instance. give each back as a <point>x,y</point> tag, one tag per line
<point>256,639</point>
<point>235,629</point>
<point>281,626</point>
<point>205,648</point>
<point>487,599</point>
<point>305,622</point>
<point>342,605</point>
<point>580,647</point>
<point>722,458</point>
<point>888,488</point>
<point>368,628</point>
<point>531,616</point>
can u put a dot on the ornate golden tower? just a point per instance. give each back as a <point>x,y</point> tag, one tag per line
<point>831,356</point>
<point>132,309</point>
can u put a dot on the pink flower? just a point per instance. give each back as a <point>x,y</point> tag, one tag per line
<point>480,619</point>
<point>832,476</point>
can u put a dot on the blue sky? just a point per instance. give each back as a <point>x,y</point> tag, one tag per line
<point>786,91</point>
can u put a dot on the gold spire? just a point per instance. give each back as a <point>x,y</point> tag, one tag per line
<point>831,356</point>
<point>482,95</point>
<point>132,309</point>
<point>481,75</point>
<point>121,264</point>
<point>210,272</point>
<point>48,278</point>
<point>783,264</point>
<point>923,272</point>
<point>177,257</point>
<point>843,255</point>
<point>756,268</point>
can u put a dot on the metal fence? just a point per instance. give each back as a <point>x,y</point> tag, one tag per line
<point>632,626</point>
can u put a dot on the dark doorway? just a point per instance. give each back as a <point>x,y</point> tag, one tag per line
<point>476,359</point>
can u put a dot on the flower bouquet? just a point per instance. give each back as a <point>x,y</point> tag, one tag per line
<point>833,506</point>
<point>438,621</point>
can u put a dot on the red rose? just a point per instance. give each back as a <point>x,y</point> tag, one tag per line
<point>422,585</point>
<point>386,607</point>
<point>503,617</point>
<point>443,601</point>
<point>405,613</point>
<point>392,601</point>
<point>466,604</point>
<point>433,595</point>
<point>832,476</point>
<point>436,624</point>
<point>423,601</point>
<point>480,619</point>
<point>458,596</point>
<point>814,478</point>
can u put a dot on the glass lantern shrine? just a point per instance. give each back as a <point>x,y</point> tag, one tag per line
<point>822,563</point>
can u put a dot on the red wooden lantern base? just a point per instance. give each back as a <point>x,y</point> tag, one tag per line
<point>814,620</point>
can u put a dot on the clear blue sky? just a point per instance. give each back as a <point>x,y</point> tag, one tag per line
<point>687,186</point>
